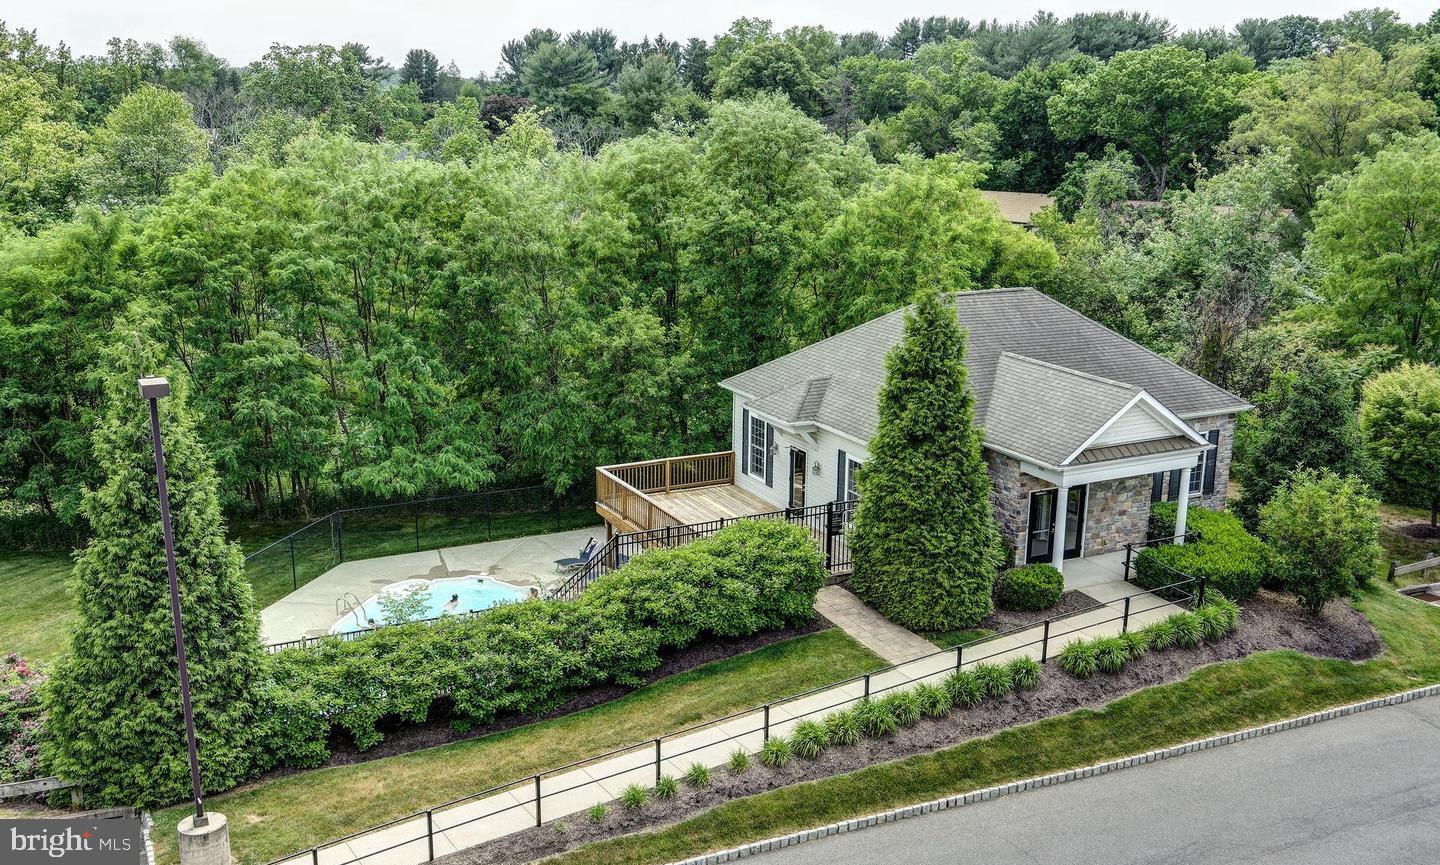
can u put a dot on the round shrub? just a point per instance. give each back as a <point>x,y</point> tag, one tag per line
<point>1230,559</point>
<point>1029,588</point>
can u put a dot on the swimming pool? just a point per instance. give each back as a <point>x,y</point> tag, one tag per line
<point>443,597</point>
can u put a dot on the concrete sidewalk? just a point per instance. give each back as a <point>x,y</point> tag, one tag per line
<point>513,809</point>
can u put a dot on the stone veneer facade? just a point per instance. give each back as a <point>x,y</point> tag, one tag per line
<point>1116,511</point>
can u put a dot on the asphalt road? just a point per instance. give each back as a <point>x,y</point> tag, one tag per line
<point>1359,789</point>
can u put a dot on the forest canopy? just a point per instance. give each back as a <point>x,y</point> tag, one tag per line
<point>383,281</point>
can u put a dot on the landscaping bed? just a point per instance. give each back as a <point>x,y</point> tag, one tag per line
<point>401,738</point>
<point>1268,621</point>
<point>1007,620</point>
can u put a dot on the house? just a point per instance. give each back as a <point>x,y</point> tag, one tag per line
<point>1018,208</point>
<point>1083,429</point>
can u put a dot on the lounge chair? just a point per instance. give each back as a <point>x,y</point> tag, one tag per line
<point>565,566</point>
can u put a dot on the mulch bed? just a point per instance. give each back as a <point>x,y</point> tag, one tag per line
<point>1420,531</point>
<point>1005,620</point>
<point>1269,621</point>
<point>401,738</point>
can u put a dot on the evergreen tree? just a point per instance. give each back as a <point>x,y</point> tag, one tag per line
<point>1306,419</point>
<point>925,545</point>
<point>115,718</point>
<point>422,69</point>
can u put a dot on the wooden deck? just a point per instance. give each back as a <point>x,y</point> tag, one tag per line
<point>703,504</point>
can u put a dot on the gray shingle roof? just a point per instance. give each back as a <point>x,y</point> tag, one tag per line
<point>1047,411</point>
<point>1019,321</point>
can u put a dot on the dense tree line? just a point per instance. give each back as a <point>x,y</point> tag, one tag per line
<point>387,282</point>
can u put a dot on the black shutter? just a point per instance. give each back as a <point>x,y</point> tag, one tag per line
<point>1214,437</point>
<point>840,478</point>
<point>769,455</point>
<point>745,441</point>
<point>1157,487</point>
<point>1175,491</point>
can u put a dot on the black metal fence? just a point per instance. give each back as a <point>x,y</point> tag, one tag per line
<point>409,527</point>
<point>649,757</point>
<point>828,524</point>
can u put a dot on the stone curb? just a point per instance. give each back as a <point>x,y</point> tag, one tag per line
<point>961,799</point>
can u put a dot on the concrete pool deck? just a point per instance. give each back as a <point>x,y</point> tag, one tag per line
<point>529,561</point>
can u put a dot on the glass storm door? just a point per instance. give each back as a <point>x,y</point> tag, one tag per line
<point>797,478</point>
<point>1039,543</point>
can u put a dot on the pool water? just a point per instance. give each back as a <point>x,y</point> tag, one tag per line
<point>473,593</point>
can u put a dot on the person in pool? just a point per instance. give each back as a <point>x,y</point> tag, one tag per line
<point>451,604</point>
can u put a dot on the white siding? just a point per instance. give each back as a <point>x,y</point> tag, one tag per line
<point>1138,424</point>
<point>822,446</point>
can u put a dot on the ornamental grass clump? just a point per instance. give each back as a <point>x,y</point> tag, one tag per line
<point>1024,673</point>
<point>739,761</point>
<point>843,728</point>
<point>903,707</point>
<point>1160,635</point>
<point>965,689</point>
<point>697,776</point>
<point>633,798</point>
<point>934,700</point>
<point>875,718</point>
<point>808,739</point>
<point>666,788</point>
<point>1078,659</point>
<point>1188,633</point>
<point>994,680</point>
<point>1137,643</point>
<point>1111,653</point>
<point>597,812</point>
<point>775,753</point>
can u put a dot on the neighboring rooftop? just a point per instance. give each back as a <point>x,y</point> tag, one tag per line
<point>1040,371</point>
<point>1018,207</point>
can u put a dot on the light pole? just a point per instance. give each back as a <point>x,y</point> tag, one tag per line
<point>152,389</point>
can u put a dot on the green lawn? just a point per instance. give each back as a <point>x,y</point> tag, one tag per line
<point>35,611</point>
<point>270,819</point>
<point>1222,697</point>
<point>950,639</point>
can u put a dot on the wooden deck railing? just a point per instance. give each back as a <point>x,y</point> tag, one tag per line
<point>624,490</point>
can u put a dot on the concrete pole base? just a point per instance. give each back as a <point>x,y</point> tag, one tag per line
<point>206,845</point>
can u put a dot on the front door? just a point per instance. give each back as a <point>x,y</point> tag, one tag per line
<point>797,478</point>
<point>1039,545</point>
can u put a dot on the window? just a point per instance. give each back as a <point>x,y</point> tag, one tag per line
<point>758,452</point>
<point>852,489</point>
<point>1203,464</point>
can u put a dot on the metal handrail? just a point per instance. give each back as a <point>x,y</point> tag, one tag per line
<point>656,743</point>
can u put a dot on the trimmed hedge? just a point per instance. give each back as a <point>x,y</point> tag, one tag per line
<point>1230,559</point>
<point>1029,588</point>
<point>531,656</point>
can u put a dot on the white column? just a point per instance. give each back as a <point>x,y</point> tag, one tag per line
<point>1182,504</point>
<point>1057,540</point>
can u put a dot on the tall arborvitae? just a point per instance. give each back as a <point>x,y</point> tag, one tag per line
<point>115,718</point>
<point>925,544</point>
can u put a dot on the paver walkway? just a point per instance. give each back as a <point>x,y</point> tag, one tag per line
<point>870,629</point>
<point>511,809</point>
